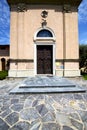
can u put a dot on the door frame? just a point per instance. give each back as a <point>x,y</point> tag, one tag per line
<point>35,55</point>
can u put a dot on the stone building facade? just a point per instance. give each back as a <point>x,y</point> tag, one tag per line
<point>44,38</point>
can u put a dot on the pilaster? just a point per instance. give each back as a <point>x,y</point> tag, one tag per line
<point>20,35</point>
<point>13,32</point>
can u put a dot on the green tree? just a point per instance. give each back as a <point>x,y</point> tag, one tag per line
<point>83,55</point>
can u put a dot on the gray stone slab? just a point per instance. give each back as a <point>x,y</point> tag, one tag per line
<point>3,125</point>
<point>22,125</point>
<point>12,118</point>
<point>17,90</point>
<point>42,109</point>
<point>67,128</point>
<point>29,114</point>
<point>51,126</point>
<point>77,124</point>
<point>45,81</point>
<point>17,107</point>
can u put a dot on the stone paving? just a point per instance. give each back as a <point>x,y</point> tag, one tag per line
<point>65,111</point>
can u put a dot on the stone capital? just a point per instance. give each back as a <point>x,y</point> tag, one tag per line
<point>21,7</point>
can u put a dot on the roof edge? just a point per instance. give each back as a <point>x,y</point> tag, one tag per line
<point>46,2</point>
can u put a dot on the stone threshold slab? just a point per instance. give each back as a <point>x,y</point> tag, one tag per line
<point>17,90</point>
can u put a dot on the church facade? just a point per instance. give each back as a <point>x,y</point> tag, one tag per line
<point>44,38</point>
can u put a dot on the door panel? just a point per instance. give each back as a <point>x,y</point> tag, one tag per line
<point>44,59</point>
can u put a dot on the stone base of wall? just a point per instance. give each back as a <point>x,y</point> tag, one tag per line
<point>59,72</point>
<point>68,73</point>
<point>20,73</point>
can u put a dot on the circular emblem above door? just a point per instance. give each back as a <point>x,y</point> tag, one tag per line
<point>44,14</point>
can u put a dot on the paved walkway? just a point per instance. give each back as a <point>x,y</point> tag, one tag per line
<point>42,111</point>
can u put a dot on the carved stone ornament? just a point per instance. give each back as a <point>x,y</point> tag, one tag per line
<point>44,14</point>
<point>67,8</point>
<point>21,7</point>
<point>44,23</point>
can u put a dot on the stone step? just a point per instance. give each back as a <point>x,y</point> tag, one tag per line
<point>18,90</point>
<point>47,86</point>
<point>46,82</point>
<point>43,84</point>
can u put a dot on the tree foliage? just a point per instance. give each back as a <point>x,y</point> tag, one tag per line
<point>83,55</point>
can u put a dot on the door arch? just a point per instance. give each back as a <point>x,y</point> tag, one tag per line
<point>44,34</point>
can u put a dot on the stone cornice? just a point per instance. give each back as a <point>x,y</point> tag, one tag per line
<point>51,2</point>
<point>22,60</point>
<point>31,60</point>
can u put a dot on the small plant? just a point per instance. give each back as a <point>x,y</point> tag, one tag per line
<point>85,76</point>
<point>3,74</point>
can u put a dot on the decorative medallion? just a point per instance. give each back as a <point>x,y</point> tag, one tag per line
<point>44,14</point>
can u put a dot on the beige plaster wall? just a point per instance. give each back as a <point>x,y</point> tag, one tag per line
<point>71,34</point>
<point>14,33</point>
<point>71,39</point>
<point>25,24</point>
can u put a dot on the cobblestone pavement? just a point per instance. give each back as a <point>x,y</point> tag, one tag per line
<point>42,111</point>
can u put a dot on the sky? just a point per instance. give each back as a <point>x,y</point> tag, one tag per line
<point>82,22</point>
<point>5,22</point>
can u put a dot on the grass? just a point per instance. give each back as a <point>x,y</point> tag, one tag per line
<point>3,74</point>
<point>85,76</point>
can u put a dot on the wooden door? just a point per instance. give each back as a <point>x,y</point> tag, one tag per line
<point>44,59</point>
<point>3,63</point>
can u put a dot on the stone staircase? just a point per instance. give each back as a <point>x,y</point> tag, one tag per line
<point>46,84</point>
